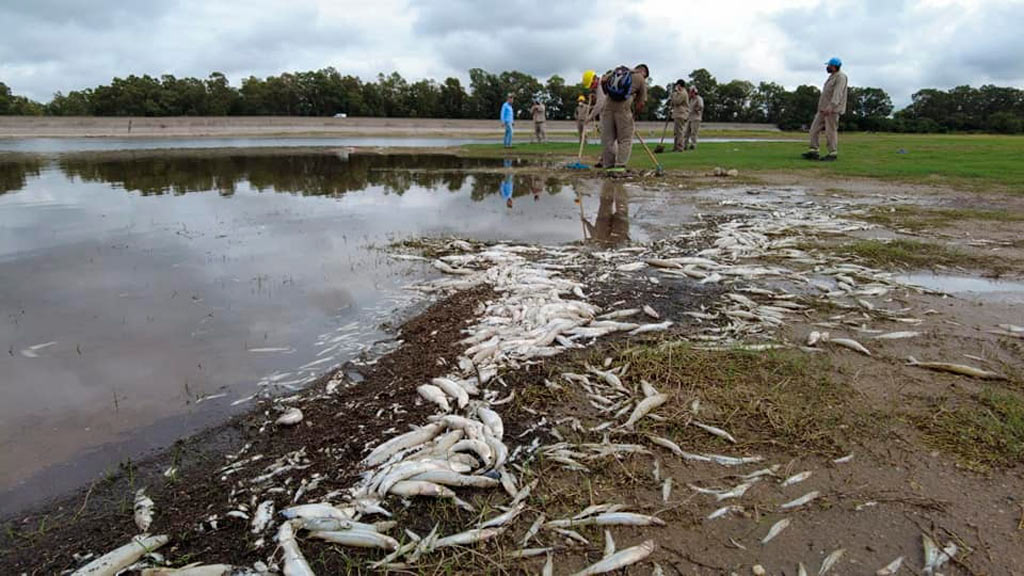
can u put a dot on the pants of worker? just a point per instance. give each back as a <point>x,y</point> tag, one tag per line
<point>830,126</point>
<point>690,136</point>
<point>678,139</point>
<point>579,130</point>
<point>616,128</point>
<point>508,135</point>
<point>540,131</point>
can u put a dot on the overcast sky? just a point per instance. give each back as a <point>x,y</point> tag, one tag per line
<point>898,45</point>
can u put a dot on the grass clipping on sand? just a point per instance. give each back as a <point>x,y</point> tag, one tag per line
<point>777,399</point>
<point>984,433</point>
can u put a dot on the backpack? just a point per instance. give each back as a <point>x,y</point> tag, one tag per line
<point>618,84</point>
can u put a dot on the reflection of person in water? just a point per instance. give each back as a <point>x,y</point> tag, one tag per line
<point>536,185</point>
<point>612,223</point>
<point>507,184</point>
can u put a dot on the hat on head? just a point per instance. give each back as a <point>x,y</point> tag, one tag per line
<point>834,62</point>
<point>588,77</point>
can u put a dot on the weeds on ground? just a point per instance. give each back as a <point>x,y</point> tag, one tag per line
<point>907,253</point>
<point>780,399</point>
<point>919,218</point>
<point>986,433</point>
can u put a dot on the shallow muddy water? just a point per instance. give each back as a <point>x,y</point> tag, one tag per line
<point>974,287</point>
<point>142,296</point>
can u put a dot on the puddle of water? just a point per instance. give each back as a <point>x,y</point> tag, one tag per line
<point>133,288</point>
<point>60,145</point>
<point>981,288</point>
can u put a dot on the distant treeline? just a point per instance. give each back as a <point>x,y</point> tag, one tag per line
<point>327,92</point>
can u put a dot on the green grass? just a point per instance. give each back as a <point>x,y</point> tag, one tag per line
<point>973,161</point>
<point>986,433</point>
<point>907,253</point>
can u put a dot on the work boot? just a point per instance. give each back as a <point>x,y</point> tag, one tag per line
<point>830,158</point>
<point>811,155</point>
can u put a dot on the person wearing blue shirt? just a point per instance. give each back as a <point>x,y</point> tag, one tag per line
<point>507,186</point>
<point>507,119</point>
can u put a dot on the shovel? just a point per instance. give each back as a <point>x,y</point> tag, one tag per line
<point>661,145</point>
<point>578,164</point>
<point>657,165</point>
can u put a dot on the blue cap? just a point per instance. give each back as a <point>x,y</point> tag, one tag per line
<point>835,62</point>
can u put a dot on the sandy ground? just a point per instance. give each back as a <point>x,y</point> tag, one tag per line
<point>266,126</point>
<point>876,507</point>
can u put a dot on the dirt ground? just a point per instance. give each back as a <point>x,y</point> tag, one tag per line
<point>267,126</point>
<point>933,453</point>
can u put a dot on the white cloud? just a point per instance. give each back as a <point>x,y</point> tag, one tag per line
<point>899,45</point>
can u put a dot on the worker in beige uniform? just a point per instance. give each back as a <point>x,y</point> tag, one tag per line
<point>693,120</point>
<point>680,100</point>
<point>581,115</point>
<point>621,97</point>
<point>539,118</point>
<point>831,105</point>
<point>596,104</point>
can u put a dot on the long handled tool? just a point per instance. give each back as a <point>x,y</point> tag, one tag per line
<point>661,145</point>
<point>657,165</point>
<point>578,164</point>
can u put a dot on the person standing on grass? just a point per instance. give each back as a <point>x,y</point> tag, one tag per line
<point>624,90</point>
<point>694,118</point>
<point>508,115</point>
<point>831,105</point>
<point>539,114</point>
<point>581,115</point>
<point>680,101</point>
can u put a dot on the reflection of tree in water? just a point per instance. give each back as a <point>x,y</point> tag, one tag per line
<point>305,174</point>
<point>15,173</point>
<point>611,226</point>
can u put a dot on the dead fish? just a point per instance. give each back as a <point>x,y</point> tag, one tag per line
<point>961,369</point>
<point>572,535</point>
<point>529,552</point>
<point>609,545</point>
<point>645,328</point>
<point>660,263</point>
<point>468,537</point>
<point>813,338</point>
<point>452,389</point>
<point>409,488</point>
<point>357,539</point>
<point>433,394</point>
<point>733,508</point>
<point>143,510</point>
<point>120,558</point>
<point>891,568</point>
<point>795,479</point>
<point>502,519</point>
<point>191,570</point>
<point>626,557</point>
<point>651,312</point>
<point>319,510</point>
<point>608,519</point>
<point>381,453</point>
<point>631,267</point>
<point>290,417</point>
<point>549,567</point>
<point>534,528</point>
<point>715,431</point>
<point>732,460</point>
<point>897,335</point>
<point>643,407</point>
<point>456,480</point>
<point>619,314</point>
<point>647,389</point>
<point>1012,328</point>
<point>264,512</point>
<point>844,459</point>
<point>851,344</point>
<point>492,420</point>
<point>800,501</point>
<point>800,570</point>
<point>774,531</point>
<point>831,561</point>
<point>934,558</point>
<point>666,490</point>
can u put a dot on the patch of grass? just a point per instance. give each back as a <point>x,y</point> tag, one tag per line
<point>919,218</point>
<point>781,399</point>
<point>907,253</point>
<point>977,162</point>
<point>988,432</point>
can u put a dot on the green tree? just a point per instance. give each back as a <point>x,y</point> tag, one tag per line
<point>767,103</point>
<point>733,101</point>
<point>453,99</point>
<point>800,107</point>
<point>708,87</point>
